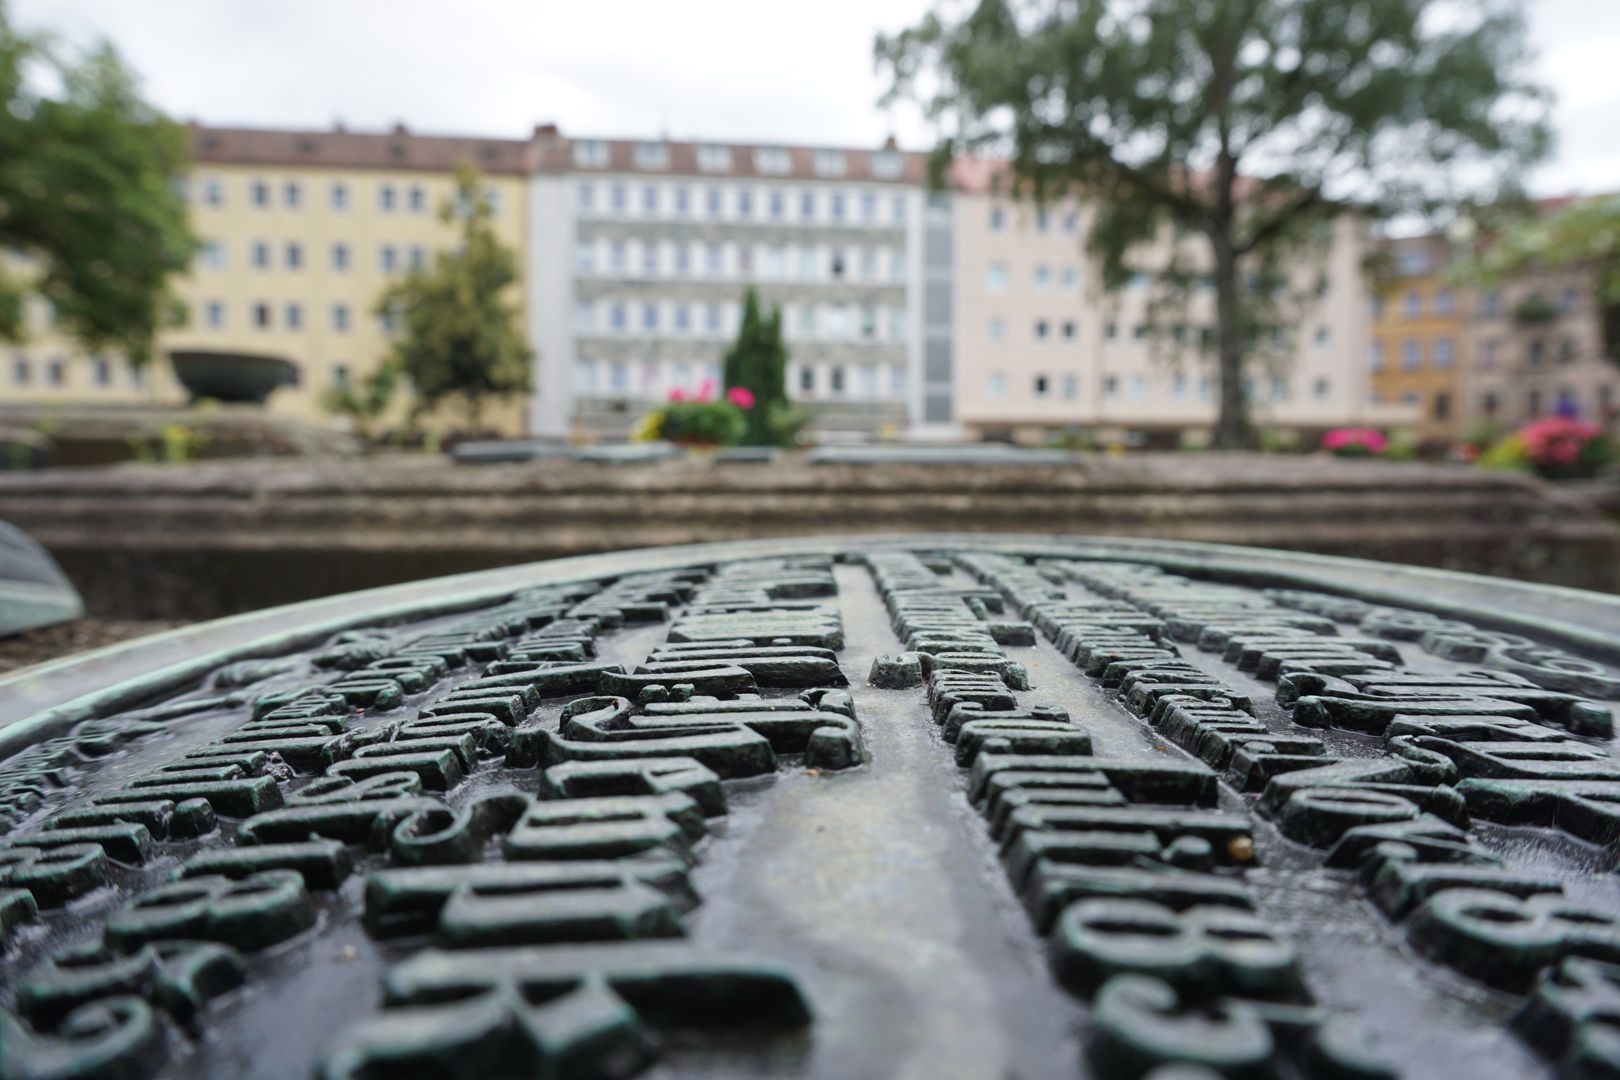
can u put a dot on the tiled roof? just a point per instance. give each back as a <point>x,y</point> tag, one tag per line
<point>545,150</point>
<point>398,149</point>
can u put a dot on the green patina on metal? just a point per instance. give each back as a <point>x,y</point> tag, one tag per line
<point>827,808</point>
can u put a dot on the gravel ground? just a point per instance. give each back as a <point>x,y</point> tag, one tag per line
<point>54,642</point>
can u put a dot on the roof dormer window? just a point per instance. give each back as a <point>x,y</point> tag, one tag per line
<point>652,155</point>
<point>714,158</point>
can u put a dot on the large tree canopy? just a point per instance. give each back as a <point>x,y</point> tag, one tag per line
<point>459,334</point>
<point>88,197</point>
<point>1244,122</point>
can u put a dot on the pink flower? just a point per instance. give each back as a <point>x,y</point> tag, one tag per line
<point>1557,440</point>
<point>1370,439</point>
<point>677,394</point>
<point>705,390</point>
<point>741,396</point>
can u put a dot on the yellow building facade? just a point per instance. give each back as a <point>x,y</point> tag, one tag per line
<point>1418,340</point>
<point>301,233</point>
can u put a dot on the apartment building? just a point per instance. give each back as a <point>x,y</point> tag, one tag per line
<point>301,232</point>
<point>641,252</point>
<point>1042,347</point>
<point>1419,345</point>
<point>1536,348</point>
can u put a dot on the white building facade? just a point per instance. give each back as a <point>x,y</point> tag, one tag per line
<point>641,254</point>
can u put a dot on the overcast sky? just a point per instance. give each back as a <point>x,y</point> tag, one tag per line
<point>766,70</point>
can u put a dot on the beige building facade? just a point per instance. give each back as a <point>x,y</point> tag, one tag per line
<point>1042,347</point>
<point>1535,348</point>
<point>301,232</point>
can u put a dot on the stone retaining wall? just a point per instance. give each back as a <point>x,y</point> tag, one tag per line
<point>200,541</point>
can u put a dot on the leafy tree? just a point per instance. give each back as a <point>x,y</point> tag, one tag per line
<point>757,362</point>
<point>88,196</point>
<point>363,404</point>
<point>459,334</point>
<point>1248,124</point>
<point>1584,235</point>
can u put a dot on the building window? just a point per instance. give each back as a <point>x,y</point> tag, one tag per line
<point>618,257</point>
<point>683,318</point>
<point>1375,356</point>
<point>1320,389</point>
<point>338,195</point>
<point>1538,352</point>
<point>1043,331</point>
<point>995,386</point>
<point>340,375</point>
<point>418,257</point>
<point>1071,222</point>
<point>261,193</point>
<point>772,159</point>
<point>652,155</point>
<point>1043,277</point>
<point>837,264</point>
<point>807,205</point>
<point>385,198</point>
<point>683,201</point>
<point>995,277</point>
<point>1111,387</point>
<point>261,316</point>
<point>1071,279</point>
<point>261,255</point>
<point>1071,387</point>
<point>835,206</point>
<point>619,318</point>
<point>714,260</point>
<point>835,379</point>
<point>711,318</point>
<point>1043,221</point>
<point>1440,407</point>
<point>213,191</point>
<point>1412,262</point>
<point>22,373</point>
<point>776,205</point>
<point>714,158</point>
<point>1071,329</point>
<point>101,371</point>
<point>1444,352</point>
<point>1323,334</point>
<point>591,154</point>
<point>585,316</point>
<point>213,255</point>
<point>293,316</point>
<point>869,206</point>
<point>585,197</point>
<point>807,380</point>
<point>1532,403</point>
<point>340,256</point>
<point>416,199</point>
<point>996,331</point>
<point>649,200</point>
<point>1412,304</point>
<point>998,219</point>
<point>745,203</point>
<point>1566,351</point>
<point>292,195</point>
<point>293,256</point>
<point>1445,302</point>
<point>1568,301</point>
<point>1111,331</point>
<point>618,198</point>
<point>1411,354</point>
<point>649,317</point>
<point>1491,303</point>
<point>887,165</point>
<point>585,257</point>
<point>386,258</point>
<point>831,163</point>
<point>649,259</point>
<point>1043,385</point>
<point>214,315</point>
<point>340,318</point>
<point>713,199</point>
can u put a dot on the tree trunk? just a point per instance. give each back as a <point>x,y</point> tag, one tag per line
<point>1233,431</point>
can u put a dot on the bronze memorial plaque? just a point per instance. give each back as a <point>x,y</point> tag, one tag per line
<point>966,808</point>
